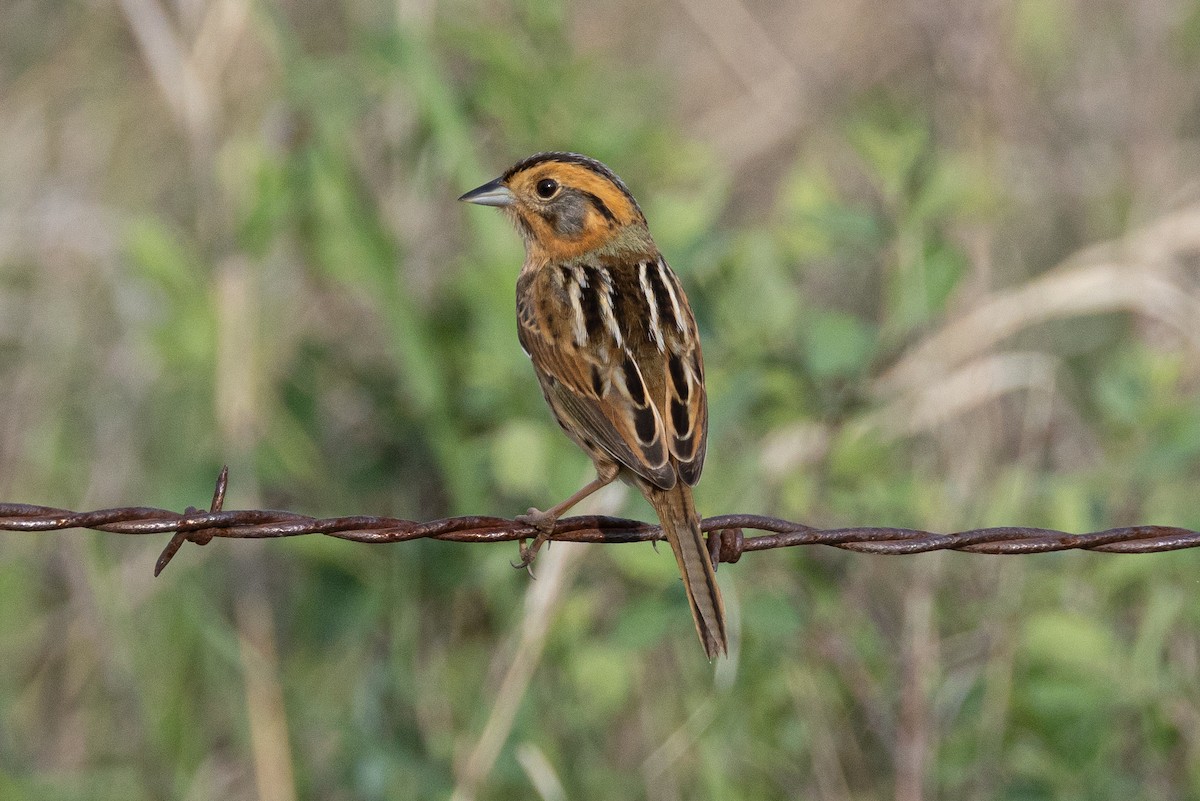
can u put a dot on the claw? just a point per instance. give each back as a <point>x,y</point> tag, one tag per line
<point>544,523</point>
<point>524,561</point>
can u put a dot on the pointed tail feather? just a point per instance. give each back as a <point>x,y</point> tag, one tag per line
<point>677,513</point>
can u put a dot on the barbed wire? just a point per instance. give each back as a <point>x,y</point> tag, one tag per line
<point>727,541</point>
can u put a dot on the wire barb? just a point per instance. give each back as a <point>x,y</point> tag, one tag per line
<point>726,537</point>
<point>201,536</point>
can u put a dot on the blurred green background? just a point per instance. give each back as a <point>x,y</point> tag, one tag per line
<point>945,257</point>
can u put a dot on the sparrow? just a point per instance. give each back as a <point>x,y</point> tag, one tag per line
<point>611,336</point>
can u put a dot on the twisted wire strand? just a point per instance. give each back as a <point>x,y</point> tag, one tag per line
<point>727,540</point>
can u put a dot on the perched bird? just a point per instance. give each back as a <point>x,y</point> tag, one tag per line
<point>614,345</point>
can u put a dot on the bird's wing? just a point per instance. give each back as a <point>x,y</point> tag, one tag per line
<point>616,351</point>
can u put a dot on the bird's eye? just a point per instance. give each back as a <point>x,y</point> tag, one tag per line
<point>546,188</point>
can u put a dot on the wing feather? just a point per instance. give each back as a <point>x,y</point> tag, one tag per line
<point>616,352</point>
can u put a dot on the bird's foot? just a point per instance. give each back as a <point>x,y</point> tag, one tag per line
<point>544,523</point>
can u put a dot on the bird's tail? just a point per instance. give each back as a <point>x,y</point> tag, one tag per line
<point>677,513</point>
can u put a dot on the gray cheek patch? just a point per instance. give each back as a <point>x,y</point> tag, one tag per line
<point>568,215</point>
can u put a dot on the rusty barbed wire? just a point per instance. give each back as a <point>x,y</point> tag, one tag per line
<point>727,542</point>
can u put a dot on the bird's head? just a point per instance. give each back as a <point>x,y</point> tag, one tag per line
<point>565,205</point>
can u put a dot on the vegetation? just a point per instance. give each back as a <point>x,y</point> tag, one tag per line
<point>944,259</point>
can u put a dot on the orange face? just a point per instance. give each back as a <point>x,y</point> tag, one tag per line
<point>563,205</point>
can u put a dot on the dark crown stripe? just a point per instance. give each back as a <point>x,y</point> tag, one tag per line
<point>572,158</point>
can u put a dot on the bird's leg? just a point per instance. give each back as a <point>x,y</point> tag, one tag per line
<point>544,521</point>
